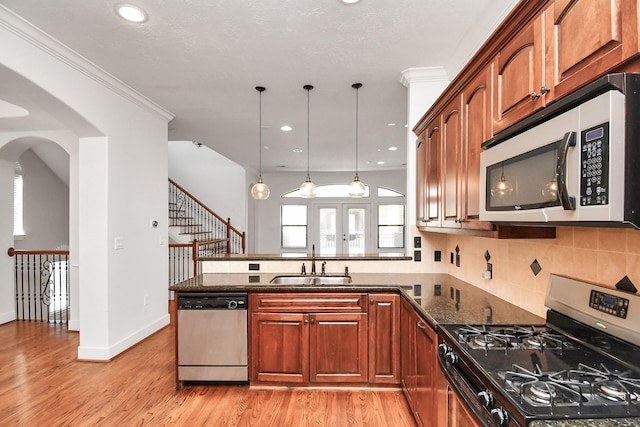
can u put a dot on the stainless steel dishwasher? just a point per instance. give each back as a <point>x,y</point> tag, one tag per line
<point>212,336</point>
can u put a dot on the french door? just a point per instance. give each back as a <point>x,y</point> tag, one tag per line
<point>342,229</point>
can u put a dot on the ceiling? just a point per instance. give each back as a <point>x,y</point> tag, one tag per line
<point>201,60</point>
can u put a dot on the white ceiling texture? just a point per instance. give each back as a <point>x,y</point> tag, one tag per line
<point>201,60</point>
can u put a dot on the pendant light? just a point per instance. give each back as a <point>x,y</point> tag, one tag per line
<point>502,188</point>
<point>260,190</point>
<point>308,188</point>
<point>356,188</point>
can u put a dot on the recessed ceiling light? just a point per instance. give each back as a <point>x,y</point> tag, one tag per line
<point>391,124</point>
<point>349,1</point>
<point>297,150</point>
<point>381,162</point>
<point>393,148</point>
<point>265,147</point>
<point>131,13</point>
<point>286,128</point>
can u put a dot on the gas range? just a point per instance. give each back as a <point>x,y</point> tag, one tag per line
<point>568,368</point>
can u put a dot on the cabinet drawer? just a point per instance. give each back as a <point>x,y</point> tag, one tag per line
<point>310,302</point>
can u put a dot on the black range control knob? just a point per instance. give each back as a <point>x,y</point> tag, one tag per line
<point>444,348</point>
<point>232,305</point>
<point>486,398</point>
<point>500,416</point>
<point>452,357</point>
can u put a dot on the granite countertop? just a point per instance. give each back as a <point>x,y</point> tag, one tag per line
<point>304,257</point>
<point>440,298</point>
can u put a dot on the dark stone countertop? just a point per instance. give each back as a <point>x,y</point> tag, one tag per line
<point>440,298</point>
<point>304,257</point>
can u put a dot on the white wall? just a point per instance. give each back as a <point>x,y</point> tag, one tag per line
<point>266,213</point>
<point>122,186</point>
<point>45,206</point>
<point>213,179</point>
<point>7,294</point>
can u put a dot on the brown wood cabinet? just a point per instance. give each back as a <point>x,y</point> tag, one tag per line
<point>384,338</point>
<point>309,338</point>
<point>429,165</point>
<point>518,83</point>
<point>419,366</point>
<point>452,411</point>
<point>452,167</point>
<point>477,128</point>
<point>586,39</point>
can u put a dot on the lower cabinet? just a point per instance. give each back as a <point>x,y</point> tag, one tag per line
<point>325,339</point>
<point>419,375</point>
<point>384,338</point>
<point>452,411</point>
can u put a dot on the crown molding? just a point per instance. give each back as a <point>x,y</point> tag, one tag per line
<point>47,44</point>
<point>423,75</point>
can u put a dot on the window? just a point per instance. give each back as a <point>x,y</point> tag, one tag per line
<point>18,225</point>
<point>387,192</point>
<point>293,220</point>
<point>391,226</point>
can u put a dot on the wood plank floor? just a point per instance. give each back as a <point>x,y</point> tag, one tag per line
<point>42,383</point>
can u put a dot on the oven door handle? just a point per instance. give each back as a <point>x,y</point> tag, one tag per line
<point>568,202</point>
<point>464,390</point>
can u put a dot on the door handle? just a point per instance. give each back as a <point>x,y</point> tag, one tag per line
<point>568,202</point>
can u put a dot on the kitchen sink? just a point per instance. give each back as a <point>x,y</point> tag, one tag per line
<point>311,280</point>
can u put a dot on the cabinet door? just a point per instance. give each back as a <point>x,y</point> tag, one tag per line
<point>518,77</point>
<point>338,347</point>
<point>457,413</point>
<point>451,163</point>
<point>433,173</point>
<point>279,347</point>
<point>407,351</point>
<point>426,373</point>
<point>588,38</point>
<point>384,338</point>
<point>421,180</point>
<point>476,119</point>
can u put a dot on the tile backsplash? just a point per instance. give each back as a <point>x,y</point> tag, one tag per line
<point>597,255</point>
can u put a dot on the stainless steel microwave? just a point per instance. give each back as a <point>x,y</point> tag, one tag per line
<point>576,162</point>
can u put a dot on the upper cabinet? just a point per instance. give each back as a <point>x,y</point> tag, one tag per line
<point>587,38</point>
<point>542,52</point>
<point>519,84</point>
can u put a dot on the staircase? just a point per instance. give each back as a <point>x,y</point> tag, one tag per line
<point>191,221</point>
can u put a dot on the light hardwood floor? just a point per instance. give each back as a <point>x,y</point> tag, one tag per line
<point>42,384</point>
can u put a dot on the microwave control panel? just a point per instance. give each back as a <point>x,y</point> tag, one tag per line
<point>594,166</point>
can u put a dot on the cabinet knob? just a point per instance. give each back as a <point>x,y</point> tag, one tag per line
<point>534,96</point>
<point>372,301</point>
<point>544,90</point>
<point>313,320</point>
<point>306,321</point>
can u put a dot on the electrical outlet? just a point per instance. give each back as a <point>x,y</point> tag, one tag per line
<point>451,258</point>
<point>437,256</point>
<point>254,267</point>
<point>417,242</point>
<point>417,256</point>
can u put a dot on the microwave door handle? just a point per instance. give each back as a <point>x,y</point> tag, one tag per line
<point>568,140</point>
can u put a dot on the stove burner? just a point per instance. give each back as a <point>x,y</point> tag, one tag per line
<point>512,337</point>
<point>542,393</point>
<point>614,386</point>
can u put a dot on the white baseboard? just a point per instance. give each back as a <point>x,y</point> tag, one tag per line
<point>108,353</point>
<point>7,317</point>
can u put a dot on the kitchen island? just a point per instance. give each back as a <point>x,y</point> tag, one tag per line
<point>437,299</point>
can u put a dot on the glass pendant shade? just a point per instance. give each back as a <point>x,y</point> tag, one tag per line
<point>260,190</point>
<point>308,189</point>
<point>356,188</point>
<point>502,188</point>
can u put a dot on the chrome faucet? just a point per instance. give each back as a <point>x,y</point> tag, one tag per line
<point>323,265</point>
<point>304,270</point>
<point>313,259</point>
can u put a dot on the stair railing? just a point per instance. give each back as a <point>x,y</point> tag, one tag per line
<point>198,220</point>
<point>41,285</point>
